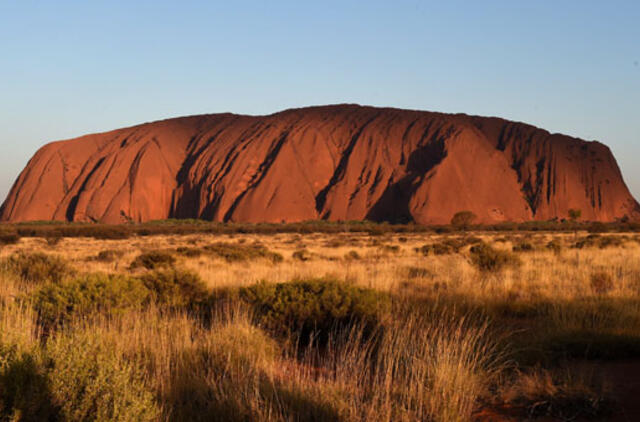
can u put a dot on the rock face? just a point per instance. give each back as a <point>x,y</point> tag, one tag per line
<point>342,162</point>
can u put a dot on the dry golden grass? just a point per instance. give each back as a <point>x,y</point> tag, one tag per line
<point>456,334</point>
<point>542,274</point>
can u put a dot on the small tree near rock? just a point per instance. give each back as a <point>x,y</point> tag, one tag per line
<point>575,214</point>
<point>463,220</point>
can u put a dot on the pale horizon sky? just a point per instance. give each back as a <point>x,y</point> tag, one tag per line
<point>70,68</point>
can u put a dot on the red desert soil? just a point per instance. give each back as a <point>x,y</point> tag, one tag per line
<point>343,162</point>
<point>623,379</point>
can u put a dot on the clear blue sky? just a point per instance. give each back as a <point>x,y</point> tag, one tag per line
<point>70,68</point>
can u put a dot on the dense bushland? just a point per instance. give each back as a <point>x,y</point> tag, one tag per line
<point>47,229</point>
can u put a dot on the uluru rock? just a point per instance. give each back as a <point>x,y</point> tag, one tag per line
<point>343,162</point>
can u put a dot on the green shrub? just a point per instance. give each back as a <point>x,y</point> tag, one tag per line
<point>301,255</point>
<point>523,247</point>
<point>108,255</point>
<point>376,231</point>
<point>189,252</point>
<point>352,256</point>
<point>597,227</point>
<point>315,306</point>
<point>390,248</point>
<point>58,303</point>
<point>471,240</point>
<point>25,394</point>
<point>489,259</point>
<point>175,288</point>
<point>435,249</point>
<point>599,241</point>
<point>235,252</point>
<point>91,382</point>
<point>448,246</point>
<point>611,242</point>
<point>153,259</point>
<point>53,239</point>
<point>334,243</point>
<point>107,232</point>
<point>555,246</point>
<point>462,220</point>
<point>39,267</point>
<point>9,238</point>
<point>439,249</point>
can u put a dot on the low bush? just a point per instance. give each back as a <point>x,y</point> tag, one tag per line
<point>153,259</point>
<point>58,229</point>
<point>175,288</point>
<point>301,255</point>
<point>87,295</point>
<point>377,231</point>
<point>390,248</point>
<point>523,247</point>
<point>25,393</point>
<point>9,238</point>
<point>334,243</point>
<point>39,267</point>
<point>53,239</point>
<point>108,255</point>
<point>235,252</point>
<point>611,242</point>
<point>315,306</point>
<point>555,246</point>
<point>489,259</point>
<point>462,220</point>
<point>189,252</point>
<point>107,232</point>
<point>599,241</point>
<point>597,227</point>
<point>352,256</point>
<point>90,381</point>
<point>448,246</point>
<point>471,240</point>
<point>71,376</point>
<point>438,249</point>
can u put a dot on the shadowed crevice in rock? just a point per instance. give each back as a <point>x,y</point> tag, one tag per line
<point>262,171</point>
<point>71,210</point>
<point>393,205</point>
<point>339,172</point>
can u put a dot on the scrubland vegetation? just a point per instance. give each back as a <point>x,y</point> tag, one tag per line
<point>379,324</point>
